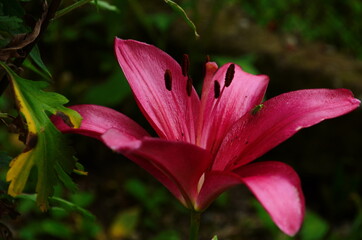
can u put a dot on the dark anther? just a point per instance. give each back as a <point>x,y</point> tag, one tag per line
<point>189,86</point>
<point>216,89</point>
<point>185,64</point>
<point>229,75</point>
<point>168,79</point>
<point>65,118</point>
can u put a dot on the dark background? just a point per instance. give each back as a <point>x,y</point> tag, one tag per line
<point>298,44</point>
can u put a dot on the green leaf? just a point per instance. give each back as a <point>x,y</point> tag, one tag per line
<point>69,206</point>
<point>247,62</point>
<point>10,24</point>
<point>35,55</point>
<point>46,149</point>
<point>182,12</point>
<point>105,5</point>
<point>4,163</point>
<point>31,66</point>
<point>11,8</point>
<point>167,235</point>
<point>214,238</point>
<point>57,203</point>
<point>4,160</point>
<point>108,93</point>
<point>70,8</point>
<point>314,227</point>
<point>125,223</point>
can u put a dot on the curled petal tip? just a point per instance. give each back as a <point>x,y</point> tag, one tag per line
<point>119,141</point>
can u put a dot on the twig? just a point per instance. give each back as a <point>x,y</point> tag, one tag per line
<point>49,14</point>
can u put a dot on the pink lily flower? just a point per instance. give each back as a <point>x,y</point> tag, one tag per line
<point>207,145</point>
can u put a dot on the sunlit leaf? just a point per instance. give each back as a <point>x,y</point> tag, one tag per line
<point>45,150</point>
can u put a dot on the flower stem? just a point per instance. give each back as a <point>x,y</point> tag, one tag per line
<point>195,225</point>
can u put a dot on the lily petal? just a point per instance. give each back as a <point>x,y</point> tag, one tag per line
<point>215,183</point>
<point>177,165</point>
<point>277,187</point>
<point>279,119</point>
<point>97,120</point>
<point>245,91</point>
<point>169,110</point>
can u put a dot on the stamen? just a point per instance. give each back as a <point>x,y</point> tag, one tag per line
<point>189,86</point>
<point>168,79</point>
<point>229,76</point>
<point>216,89</point>
<point>185,64</point>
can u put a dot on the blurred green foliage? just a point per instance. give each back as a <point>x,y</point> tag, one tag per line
<point>331,21</point>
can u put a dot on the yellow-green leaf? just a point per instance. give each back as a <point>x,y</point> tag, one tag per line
<point>45,150</point>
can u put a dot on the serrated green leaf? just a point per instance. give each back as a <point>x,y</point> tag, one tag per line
<point>182,12</point>
<point>45,145</point>
<point>35,55</point>
<point>31,66</point>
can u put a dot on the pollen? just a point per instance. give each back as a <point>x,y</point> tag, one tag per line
<point>229,76</point>
<point>168,79</point>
